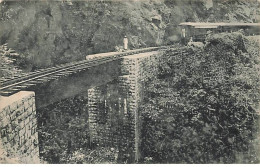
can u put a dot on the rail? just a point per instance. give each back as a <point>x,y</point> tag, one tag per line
<point>18,83</point>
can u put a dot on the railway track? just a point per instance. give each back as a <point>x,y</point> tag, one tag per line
<point>25,81</point>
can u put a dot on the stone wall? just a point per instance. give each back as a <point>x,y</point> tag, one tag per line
<point>104,115</point>
<point>114,117</point>
<point>135,70</point>
<point>94,95</point>
<point>18,126</point>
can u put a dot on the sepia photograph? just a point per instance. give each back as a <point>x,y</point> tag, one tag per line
<point>129,82</point>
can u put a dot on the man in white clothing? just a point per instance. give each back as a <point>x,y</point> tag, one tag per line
<point>125,43</point>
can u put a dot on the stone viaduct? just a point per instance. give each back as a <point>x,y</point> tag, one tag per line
<point>113,120</point>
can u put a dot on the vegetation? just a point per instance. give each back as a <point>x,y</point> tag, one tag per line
<point>202,106</point>
<point>48,33</point>
<point>62,129</point>
<point>8,62</point>
<point>64,134</point>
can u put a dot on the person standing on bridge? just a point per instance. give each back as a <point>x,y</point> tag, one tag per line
<point>125,43</point>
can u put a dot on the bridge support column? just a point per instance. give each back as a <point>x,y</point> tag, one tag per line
<point>18,124</point>
<point>135,70</point>
<point>103,110</point>
<point>114,115</point>
<point>94,96</point>
<point>128,89</point>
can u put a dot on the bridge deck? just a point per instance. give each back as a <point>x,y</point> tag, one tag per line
<point>32,79</point>
<point>141,55</point>
<point>101,55</point>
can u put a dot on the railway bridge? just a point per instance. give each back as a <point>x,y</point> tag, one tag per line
<point>22,96</point>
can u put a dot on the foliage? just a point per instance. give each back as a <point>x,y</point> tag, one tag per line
<point>54,32</point>
<point>235,11</point>
<point>62,129</point>
<point>64,135</point>
<point>8,62</point>
<point>202,106</point>
<point>99,155</point>
<point>50,33</point>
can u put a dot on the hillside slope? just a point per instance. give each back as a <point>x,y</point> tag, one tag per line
<point>48,33</point>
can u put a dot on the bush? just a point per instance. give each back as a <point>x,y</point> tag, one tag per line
<point>202,106</point>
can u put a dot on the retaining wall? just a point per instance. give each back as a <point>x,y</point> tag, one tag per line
<point>18,126</point>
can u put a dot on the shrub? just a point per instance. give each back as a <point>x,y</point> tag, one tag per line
<point>202,106</point>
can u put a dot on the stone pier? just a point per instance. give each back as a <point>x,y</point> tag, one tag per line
<point>18,127</point>
<point>94,102</point>
<point>114,115</point>
<point>135,70</point>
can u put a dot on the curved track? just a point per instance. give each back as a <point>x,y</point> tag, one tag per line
<point>25,81</point>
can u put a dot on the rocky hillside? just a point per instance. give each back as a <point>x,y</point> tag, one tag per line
<point>48,33</point>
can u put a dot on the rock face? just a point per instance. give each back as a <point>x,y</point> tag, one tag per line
<point>47,33</point>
